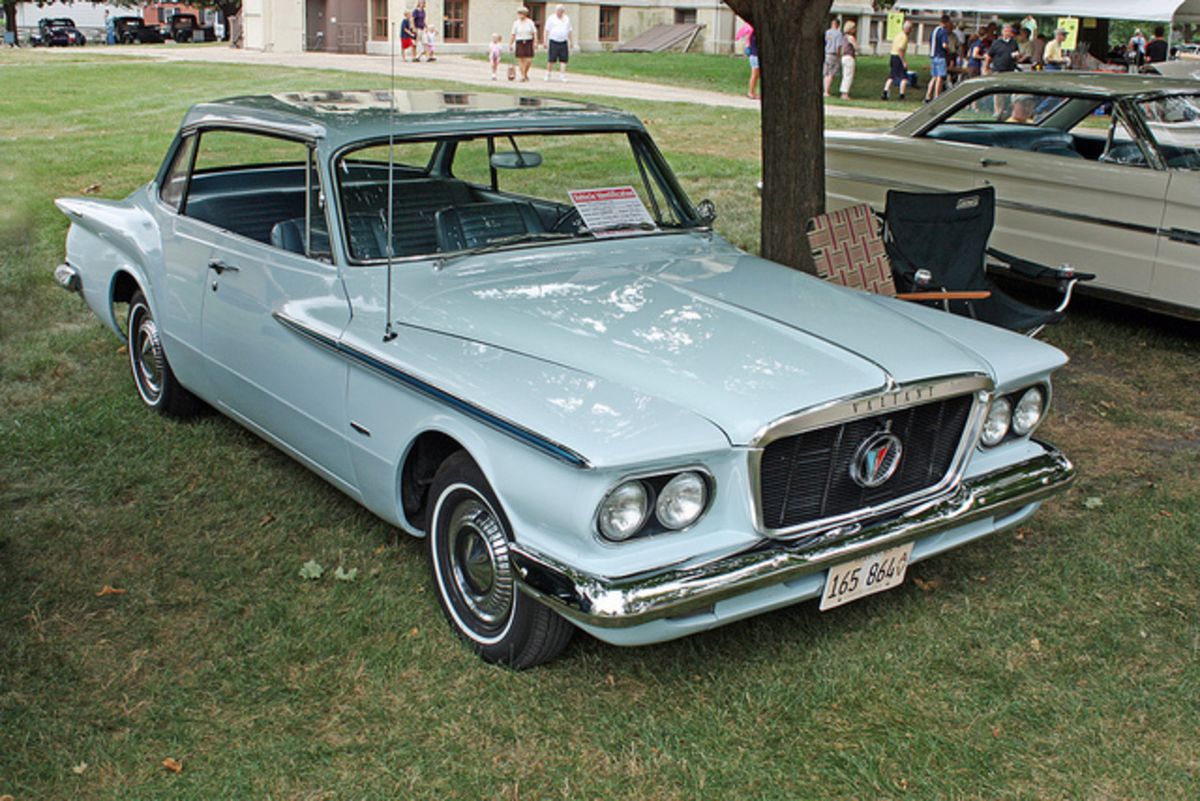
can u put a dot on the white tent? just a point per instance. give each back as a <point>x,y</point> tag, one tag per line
<point>1156,10</point>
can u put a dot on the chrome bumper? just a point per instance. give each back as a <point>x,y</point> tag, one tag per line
<point>633,600</point>
<point>68,278</point>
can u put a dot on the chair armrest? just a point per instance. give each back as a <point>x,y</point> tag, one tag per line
<point>1035,271</point>
<point>946,295</point>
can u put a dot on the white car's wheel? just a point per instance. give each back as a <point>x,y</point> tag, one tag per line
<point>468,543</point>
<point>152,375</point>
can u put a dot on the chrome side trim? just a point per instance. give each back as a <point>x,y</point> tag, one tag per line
<point>68,278</point>
<point>633,600</point>
<point>1044,211</point>
<point>373,363</point>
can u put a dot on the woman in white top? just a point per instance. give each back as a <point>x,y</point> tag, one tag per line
<point>524,40</point>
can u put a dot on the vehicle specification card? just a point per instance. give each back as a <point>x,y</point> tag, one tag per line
<point>611,211</point>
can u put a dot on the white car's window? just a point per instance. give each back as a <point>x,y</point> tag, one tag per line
<point>1174,122</point>
<point>1022,108</point>
<point>262,187</point>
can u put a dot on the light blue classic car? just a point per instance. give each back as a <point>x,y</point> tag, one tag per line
<point>499,323</point>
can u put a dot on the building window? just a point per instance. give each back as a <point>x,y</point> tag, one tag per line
<point>610,23</point>
<point>379,20</point>
<point>454,24</point>
<point>685,16</point>
<point>537,13</point>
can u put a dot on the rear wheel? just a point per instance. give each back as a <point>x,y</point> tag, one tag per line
<point>468,543</point>
<point>152,375</point>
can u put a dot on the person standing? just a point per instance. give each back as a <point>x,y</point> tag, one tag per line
<point>849,57</point>
<point>1054,57</point>
<point>1002,55</point>
<point>898,71</point>
<point>559,38</point>
<point>495,53</point>
<point>1156,48</point>
<point>833,49</point>
<point>939,52</point>
<point>523,41</point>
<point>407,37</point>
<point>418,24</point>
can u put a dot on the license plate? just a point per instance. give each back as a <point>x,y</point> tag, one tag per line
<point>880,571</point>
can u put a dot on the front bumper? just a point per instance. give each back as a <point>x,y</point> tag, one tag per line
<point>669,603</point>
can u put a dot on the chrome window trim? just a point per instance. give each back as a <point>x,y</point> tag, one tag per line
<point>869,404</point>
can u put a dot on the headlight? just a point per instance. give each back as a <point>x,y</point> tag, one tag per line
<point>681,501</point>
<point>995,427</point>
<point>623,511</point>
<point>1028,412</point>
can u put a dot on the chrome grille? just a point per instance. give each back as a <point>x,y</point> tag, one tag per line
<point>806,477</point>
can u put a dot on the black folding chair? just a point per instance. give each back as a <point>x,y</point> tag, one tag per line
<point>938,241</point>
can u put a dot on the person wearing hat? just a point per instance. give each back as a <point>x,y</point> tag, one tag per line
<point>524,40</point>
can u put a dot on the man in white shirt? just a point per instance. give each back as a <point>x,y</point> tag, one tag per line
<point>559,37</point>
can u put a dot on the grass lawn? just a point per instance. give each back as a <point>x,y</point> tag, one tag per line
<point>1058,661</point>
<point>730,74</point>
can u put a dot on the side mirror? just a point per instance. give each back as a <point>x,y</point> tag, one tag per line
<point>707,211</point>
<point>516,160</point>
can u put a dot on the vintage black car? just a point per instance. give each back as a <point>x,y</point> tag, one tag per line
<point>187,28</point>
<point>133,30</point>
<point>57,32</point>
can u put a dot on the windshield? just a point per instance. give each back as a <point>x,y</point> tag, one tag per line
<point>1175,124</point>
<point>467,194</point>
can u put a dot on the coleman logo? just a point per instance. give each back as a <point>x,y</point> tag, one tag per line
<point>876,459</point>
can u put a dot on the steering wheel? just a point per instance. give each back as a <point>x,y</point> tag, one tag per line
<point>568,221</point>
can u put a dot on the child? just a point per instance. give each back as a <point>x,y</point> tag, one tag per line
<point>494,53</point>
<point>429,44</point>
<point>407,39</point>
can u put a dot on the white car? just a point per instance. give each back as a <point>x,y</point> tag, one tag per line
<point>1094,170</point>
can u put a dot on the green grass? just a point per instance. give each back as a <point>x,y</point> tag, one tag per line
<point>730,74</point>
<point>1059,661</point>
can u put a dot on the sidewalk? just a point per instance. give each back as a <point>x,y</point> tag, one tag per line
<point>468,71</point>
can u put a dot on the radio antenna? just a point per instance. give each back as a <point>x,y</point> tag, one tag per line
<point>389,332</point>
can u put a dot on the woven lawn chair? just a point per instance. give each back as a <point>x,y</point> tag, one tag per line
<point>848,249</point>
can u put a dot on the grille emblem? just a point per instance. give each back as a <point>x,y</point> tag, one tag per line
<point>876,459</point>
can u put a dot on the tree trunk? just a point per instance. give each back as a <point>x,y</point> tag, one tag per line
<point>791,48</point>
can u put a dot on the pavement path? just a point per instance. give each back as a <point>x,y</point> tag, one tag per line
<point>469,71</point>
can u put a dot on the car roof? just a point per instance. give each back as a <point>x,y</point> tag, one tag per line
<point>341,117</point>
<point>1101,84</point>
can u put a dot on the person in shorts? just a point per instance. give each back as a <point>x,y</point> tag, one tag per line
<point>558,37</point>
<point>898,65</point>
<point>408,38</point>
<point>939,54</point>
<point>833,53</point>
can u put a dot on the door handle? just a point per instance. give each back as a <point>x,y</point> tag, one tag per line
<point>221,267</point>
<point>992,162</point>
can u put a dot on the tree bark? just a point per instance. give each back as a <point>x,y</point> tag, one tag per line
<point>10,20</point>
<point>791,48</point>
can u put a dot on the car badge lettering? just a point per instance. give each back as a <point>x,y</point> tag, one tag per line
<point>876,460</point>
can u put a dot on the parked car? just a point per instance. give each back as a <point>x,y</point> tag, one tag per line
<point>1095,170</point>
<point>186,28</point>
<point>133,30</point>
<point>57,32</point>
<point>513,334</point>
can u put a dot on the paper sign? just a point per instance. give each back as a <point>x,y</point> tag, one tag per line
<point>611,211</point>
<point>895,24</point>
<point>1071,26</point>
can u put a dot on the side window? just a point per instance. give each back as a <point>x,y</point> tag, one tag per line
<point>175,181</point>
<point>1174,122</point>
<point>262,187</point>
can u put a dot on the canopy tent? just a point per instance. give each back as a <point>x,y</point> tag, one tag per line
<point>1155,10</point>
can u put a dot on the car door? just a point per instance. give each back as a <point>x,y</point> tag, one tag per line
<point>1058,206</point>
<point>1173,123</point>
<point>264,246</point>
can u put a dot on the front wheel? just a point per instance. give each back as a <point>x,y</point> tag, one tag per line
<point>468,544</point>
<point>152,375</point>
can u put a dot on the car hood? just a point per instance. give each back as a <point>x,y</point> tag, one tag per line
<point>736,339</point>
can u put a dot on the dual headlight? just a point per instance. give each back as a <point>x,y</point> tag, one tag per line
<point>668,502</point>
<point>1018,413</point>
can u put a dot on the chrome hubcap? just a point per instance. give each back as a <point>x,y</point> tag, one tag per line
<point>479,562</point>
<point>145,351</point>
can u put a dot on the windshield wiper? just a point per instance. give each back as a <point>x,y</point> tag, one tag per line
<point>604,229</point>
